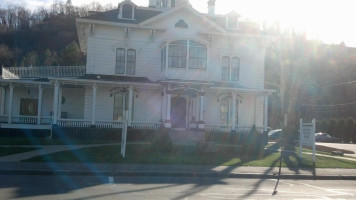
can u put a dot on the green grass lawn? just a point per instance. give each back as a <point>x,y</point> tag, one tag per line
<point>45,141</point>
<point>4,151</point>
<point>141,154</point>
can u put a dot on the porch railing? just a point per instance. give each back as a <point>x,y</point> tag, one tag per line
<point>108,124</point>
<point>46,120</point>
<point>228,128</point>
<point>145,125</point>
<point>4,119</point>
<point>42,72</point>
<point>21,119</point>
<point>77,123</point>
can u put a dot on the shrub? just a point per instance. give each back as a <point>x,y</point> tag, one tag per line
<point>253,145</point>
<point>349,129</point>
<point>332,127</point>
<point>353,137</point>
<point>161,142</point>
<point>323,127</point>
<point>340,129</point>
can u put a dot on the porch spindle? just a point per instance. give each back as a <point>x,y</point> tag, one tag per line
<point>234,111</point>
<point>10,102</point>
<point>265,114</point>
<point>39,108</point>
<point>201,115</point>
<point>93,107</point>
<point>55,102</point>
<point>130,105</point>
<point>2,112</point>
<point>60,94</point>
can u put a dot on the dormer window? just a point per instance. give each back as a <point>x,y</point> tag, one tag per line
<point>126,10</point>
<point>232,21</point>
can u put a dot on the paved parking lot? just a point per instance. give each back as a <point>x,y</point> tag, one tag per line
<point>350,147</point>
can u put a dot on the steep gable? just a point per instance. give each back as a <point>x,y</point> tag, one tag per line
<point>141,14</point>
<point>187,13</point>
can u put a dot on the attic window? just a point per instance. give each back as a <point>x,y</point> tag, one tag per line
<point>181,24</point>
<point>127,11</point>
<point>232,21</point>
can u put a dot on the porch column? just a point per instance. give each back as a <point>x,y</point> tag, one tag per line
<point>39,107</point>
<point>265,117</point>
<point>3,91</point>
<point>130,105</point>
<point>93,106</point>
<point>233,111</point>
<point>11,96</point>
<point>201,123</point>
<point>167,122</point>
<point>59,112</point>
<point>55,102</point>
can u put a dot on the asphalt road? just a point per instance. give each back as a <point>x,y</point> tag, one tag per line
<point>90,187</point>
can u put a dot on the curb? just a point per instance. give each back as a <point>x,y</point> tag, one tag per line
<point>176,174</point>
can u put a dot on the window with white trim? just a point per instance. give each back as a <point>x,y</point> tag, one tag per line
<point>230,68</point>
<point>186,54</point>
<point>125,61</point>
<point>232,21</point>
<point>226,111</point>
<point>127,11</point>
<point>121,104</point>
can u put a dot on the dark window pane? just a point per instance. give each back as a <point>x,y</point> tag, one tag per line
<point>120,61</point>
<point>225,69</point>
<point>127,11</point>
<point>235,68</point>
<point>131,62</point>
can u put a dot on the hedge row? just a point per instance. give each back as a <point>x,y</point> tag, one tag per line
<point>343,128</point>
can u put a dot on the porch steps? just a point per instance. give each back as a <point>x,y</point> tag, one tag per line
<point>186,137</point>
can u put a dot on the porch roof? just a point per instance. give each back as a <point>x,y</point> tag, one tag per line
<point>186,82</point>
<point>26,81</point>
<point>108,80</point>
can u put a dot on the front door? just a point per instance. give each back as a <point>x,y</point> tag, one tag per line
<point>178,112</point>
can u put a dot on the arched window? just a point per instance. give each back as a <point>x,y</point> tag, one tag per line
<point>187,54</point>
<point>230,68</point>
<point>127,11</point>
<point>131,62</point>
<point>120,61</point>
<point>125,61</point>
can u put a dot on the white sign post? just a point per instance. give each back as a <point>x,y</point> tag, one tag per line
<point>124,134</point>
<point>307,136</point>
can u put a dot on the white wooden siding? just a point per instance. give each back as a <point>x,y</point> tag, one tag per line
<point>101,52</point>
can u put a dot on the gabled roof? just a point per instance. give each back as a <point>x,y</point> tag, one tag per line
<point>182,6</point>
<point>145,16</point>
<point>111,16</point>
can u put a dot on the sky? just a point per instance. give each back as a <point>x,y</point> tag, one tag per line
<point>330,21</point>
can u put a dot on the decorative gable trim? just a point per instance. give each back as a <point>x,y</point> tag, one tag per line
<point>181,24</point>
<point>179,7</point>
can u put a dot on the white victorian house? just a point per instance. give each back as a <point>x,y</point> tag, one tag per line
<point>162,65</point>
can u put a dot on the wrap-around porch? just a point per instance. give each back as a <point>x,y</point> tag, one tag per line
<point>175,105</point>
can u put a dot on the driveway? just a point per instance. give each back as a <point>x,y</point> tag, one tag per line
<point>350,147</point>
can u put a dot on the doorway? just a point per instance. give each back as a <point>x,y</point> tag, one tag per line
<point>178,112</point>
